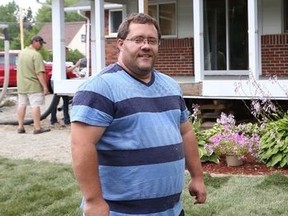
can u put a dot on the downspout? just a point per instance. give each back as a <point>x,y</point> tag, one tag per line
<point>6,63</point>
<point>87,42</point>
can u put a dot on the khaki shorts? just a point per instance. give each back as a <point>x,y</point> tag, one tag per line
<point>33,99</point>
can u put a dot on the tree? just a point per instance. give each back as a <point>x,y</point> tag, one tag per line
<point>12,18</point>
<point>31,24</point>
<point>11,11</point>
<point>28,20</point>
<point>45,13</point>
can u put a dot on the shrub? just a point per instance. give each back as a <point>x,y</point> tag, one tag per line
<point>274,143</point>
<point>238,140</point>
<point>202,136</point>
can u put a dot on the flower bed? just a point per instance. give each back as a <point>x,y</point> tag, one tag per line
<point>249,167</point>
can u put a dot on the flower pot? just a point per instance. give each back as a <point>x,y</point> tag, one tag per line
<point>232,160</point>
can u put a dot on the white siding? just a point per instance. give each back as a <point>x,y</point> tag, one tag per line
<point>272,16</point>
<point>76,42</point>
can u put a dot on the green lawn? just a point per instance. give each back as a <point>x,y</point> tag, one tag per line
<point>39,188</point>
<point>242,196</point>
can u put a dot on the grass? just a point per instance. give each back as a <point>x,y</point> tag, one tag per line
<point>39,188</point>
<point>242,195</point>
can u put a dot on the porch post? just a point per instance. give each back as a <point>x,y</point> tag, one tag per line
<point>58,45</point>
<point>97,36</point>
<point>198,40</point>
<point>143,6</point>
<point>253,39</point>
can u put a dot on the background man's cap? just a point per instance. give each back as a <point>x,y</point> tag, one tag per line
<point>38,38</point>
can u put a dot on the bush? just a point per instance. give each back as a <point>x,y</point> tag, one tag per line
<point>274,143</point>
<point>237,140</point>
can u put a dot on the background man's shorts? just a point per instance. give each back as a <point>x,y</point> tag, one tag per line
<point>33,99</point>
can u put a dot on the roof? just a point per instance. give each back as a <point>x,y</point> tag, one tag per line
<point>71,29</point>
<point>85,5</point>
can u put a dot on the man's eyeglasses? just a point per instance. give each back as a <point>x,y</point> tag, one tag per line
<point>141,41</point>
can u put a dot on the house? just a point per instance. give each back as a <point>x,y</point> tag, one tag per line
<point>214,49</point>
<point>74,33</point>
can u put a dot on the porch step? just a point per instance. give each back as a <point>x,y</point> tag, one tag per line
<point>207,125</point>
<point>210,112</point>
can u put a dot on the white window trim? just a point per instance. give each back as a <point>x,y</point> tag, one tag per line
<point>112,34</point>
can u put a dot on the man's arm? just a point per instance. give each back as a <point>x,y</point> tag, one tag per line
<point>196,186</point>
<point>85,166</point>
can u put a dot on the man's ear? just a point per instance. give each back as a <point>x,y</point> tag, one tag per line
<point>120,43</point>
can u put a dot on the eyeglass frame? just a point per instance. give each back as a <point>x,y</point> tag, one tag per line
<point>142,41</point>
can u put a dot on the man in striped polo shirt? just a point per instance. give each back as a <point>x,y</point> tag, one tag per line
<point>130,134</point>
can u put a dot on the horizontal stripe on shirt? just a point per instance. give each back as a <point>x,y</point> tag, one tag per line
<point>129,106</point>
<point>147,156</point>
<point>144,206</point>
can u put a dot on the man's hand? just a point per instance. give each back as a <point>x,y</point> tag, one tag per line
<point>197,188</point>
<point>46,91</point>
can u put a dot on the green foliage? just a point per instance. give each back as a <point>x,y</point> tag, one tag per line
<point>28,20</point>
<point>11,11</point>
<point>47,56</point>
<point>202,138</point>
<point>31,24</point>
<point>74,56</point>
<point>274,143</point>
<point>44,14</point>
<point>233,139</point>
<point>226,138</point>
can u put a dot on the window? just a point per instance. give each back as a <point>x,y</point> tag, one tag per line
<point>83,38</point>
<point>285,16</point>
<point>225,35</point>
<point>115,19</point>
<point>165,14</point>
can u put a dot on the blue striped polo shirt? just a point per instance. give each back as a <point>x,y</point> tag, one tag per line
<point>141,156</point>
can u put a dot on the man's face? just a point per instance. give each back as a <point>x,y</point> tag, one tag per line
<point>138,51</point>
<point>37,44</point>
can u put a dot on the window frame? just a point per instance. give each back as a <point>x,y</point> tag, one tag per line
<point>157,4</point>
<point>285,16</point>
<point>110,11</point>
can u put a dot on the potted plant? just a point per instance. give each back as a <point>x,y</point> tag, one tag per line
<point>231,140</point>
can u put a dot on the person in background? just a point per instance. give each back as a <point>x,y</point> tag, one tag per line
<point>65,98</point>
<point>130,133</point>
<point>31,84</point>
<point>82,70</point>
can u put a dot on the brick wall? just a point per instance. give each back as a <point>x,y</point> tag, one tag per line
<point>111,50</point>
<point>176,56</point>
<point>274,54</point>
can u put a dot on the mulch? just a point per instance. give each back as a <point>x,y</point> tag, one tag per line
<point>249,167</point>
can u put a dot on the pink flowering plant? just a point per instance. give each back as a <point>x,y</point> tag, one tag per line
<point>231,139</point>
